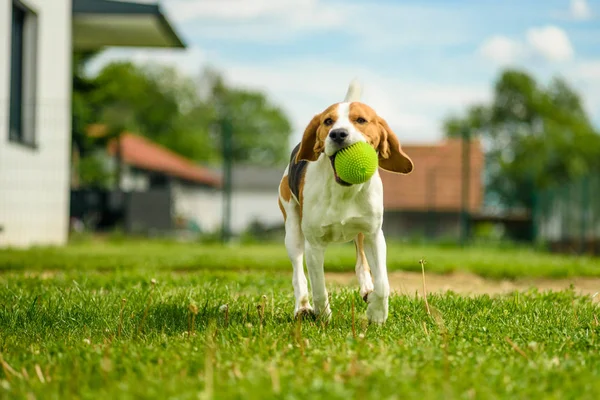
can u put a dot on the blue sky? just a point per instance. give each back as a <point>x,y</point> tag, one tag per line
<point>418,61</point>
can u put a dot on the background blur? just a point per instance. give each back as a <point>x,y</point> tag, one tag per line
<point>176,118</point>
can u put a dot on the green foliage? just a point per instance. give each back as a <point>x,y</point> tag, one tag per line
<point>178,112</point>
<point>147,333</point>
<point>93,171</point>
<point>81,107</point>
<point>260,129</point>
<point>536,136</point>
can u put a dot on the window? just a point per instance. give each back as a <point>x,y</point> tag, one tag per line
<point>23,74</point>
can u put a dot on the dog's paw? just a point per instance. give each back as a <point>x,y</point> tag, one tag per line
<point>376,316</point>
<point>304,312</point>
<point>323,315</point>
<point>377,310</point>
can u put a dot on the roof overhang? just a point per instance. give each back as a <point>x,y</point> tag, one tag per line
<point>102,23</point>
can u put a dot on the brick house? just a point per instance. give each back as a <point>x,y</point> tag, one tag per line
<point>428,201</point>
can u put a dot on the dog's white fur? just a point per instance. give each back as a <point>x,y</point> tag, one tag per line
<point>354,91</point>
<point>331,213</point>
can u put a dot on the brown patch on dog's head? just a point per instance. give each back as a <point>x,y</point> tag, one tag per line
<point>313,139</point>
<point>379,134</point>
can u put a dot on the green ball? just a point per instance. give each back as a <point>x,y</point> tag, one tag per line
<point>357,163</point>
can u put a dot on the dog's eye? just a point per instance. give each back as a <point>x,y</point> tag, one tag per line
<point>328,121</point>
<point>361,120</point>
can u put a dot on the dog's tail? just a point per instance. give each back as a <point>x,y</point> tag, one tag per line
<point>354,91</point>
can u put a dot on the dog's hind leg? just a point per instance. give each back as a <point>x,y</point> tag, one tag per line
<point>363,272</point>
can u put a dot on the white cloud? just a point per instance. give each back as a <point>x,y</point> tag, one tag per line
<point>277,21</point>
<point>254,19</point>
<point>501,50</point>
<point>185,10</point>
<point>589,70</point>
<point>550,42</point>
<point>586,78</point>
<point>189,61</point>
<point>580,10</point>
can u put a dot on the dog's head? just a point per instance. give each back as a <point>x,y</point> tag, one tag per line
<point>344,124</point>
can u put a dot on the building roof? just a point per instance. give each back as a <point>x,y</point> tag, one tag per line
<point>436,181</point>
<point>101,23</point>
<point>141,153</point>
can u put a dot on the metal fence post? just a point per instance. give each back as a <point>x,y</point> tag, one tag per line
<point>584,214</point>
<point>466,170</point>
<point>226,137</point>
<point>535,216</point>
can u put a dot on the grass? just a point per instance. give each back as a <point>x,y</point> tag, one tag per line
<point>148,320</point>
<point>493,262</point>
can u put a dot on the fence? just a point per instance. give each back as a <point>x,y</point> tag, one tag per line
<point>568,217</point>
<point>135,212</point>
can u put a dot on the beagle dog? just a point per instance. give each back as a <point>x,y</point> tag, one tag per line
<point>320,208</point>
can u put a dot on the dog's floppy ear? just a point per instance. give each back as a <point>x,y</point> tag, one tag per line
<point>391,156</point>
<point>310,146</point>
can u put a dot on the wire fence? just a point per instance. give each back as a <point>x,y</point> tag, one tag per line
<point>567,218</point>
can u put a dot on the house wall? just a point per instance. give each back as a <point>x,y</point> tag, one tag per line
<point>34,186</point>
<point>250,206</point>
<point>133,179</point>
<point>205,207</point>
<point>199,204</point>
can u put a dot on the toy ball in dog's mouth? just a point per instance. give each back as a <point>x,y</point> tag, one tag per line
<point>335,174</point>
<point>354,164</point>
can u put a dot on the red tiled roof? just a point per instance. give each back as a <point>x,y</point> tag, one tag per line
<point>436,181</point>
<point>144,154</point>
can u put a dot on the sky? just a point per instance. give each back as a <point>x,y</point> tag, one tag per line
<point>418,61</point>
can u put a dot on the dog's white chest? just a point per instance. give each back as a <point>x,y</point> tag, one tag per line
<point>334,213</point>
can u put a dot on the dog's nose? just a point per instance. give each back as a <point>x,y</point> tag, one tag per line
<point>338,135</point>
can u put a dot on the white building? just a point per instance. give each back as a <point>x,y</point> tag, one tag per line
<point>255,191</point>
<point>37,40</point>
<point>194,191</point>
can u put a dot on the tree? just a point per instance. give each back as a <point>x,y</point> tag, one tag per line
<point>535,137</point>
<point>260,130</point>
<point>181,113</point>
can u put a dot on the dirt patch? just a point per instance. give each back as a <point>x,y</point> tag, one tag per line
<point>469,284</point>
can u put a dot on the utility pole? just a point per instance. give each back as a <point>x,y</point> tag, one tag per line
<point>225,125</point>
<point>466,181</point>
<point>584,214</point>
<point>430,187</point>
<point>227,148</point>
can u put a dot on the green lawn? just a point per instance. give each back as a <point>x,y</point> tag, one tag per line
<point>87,322</point>
<point>494,262</point>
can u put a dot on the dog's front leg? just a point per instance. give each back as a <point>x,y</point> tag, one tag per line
<point>375,250</point>
<point>315,256</point>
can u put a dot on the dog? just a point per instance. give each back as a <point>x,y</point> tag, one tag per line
<point>319,208</point>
